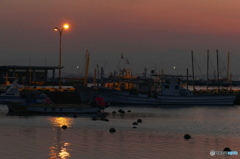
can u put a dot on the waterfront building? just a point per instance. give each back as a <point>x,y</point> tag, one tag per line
<point>28,74</point>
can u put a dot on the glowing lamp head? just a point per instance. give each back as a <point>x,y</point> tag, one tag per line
<point>66,26</point>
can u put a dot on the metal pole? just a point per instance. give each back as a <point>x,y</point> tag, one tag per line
<point>217,71</point>
<point>60,52</point>
<point>60,61</point>
<point>207,67</point>
<point>193,72</point>
<point>60,58</point>
<point>228,68</point>
<point>187,79</point>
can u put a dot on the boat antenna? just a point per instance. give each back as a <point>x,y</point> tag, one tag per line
<point>207,67</point>
<point>217,70</point>
<point>121,58</point>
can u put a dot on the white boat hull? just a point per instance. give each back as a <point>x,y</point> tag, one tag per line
<point>171,100</point>
<point>198,100</point>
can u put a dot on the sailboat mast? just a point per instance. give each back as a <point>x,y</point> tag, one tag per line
<point>228,68</point>
<point>95,77</point>
<point>207,67</point>
<point>217,71</point>
<point>192,71</point>
<point>86,68</point>
<point>187,79</point>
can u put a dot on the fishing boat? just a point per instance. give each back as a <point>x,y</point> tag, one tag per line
<point>160,90</point>
<point>47,107</point>
<point>36,102</point>
<point>169,94</point>
<point>11,94</point>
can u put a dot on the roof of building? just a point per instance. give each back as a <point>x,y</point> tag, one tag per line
<point>29,67</point>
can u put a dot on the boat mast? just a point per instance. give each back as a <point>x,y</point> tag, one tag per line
<point>228,69</point>
<point>187,79</point>
<point>86,68</point>
<point>217,71</point>
<point>101,77</point>
<point>229,75</point>
<point>95,77</point>
<point>192,71</point>
<point>207,67</point>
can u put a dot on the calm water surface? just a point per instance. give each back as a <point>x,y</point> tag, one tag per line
<point>160,135</point>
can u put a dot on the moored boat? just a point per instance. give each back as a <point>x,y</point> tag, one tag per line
<point>11,94</point>
<point>36,102</point>
<point>170,94</point>
<point>47,107</point>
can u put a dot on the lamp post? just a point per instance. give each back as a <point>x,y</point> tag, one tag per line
<point>66,26</point>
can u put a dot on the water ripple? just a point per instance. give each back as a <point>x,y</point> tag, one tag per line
<point>160,135</point>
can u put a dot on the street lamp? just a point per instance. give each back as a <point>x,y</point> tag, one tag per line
<point>66,26</point>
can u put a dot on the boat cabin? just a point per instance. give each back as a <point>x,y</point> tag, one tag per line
<point>174,89</point>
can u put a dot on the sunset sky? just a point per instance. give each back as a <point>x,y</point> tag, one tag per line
<point>154,34</point>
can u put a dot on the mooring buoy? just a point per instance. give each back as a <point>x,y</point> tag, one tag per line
<point>112,130</point>
<point>64,126</point>
<point>187,136</point>
<point>139,120</point>
<point>120,110</point>
<point>226,149</point>
<point>134,123</point>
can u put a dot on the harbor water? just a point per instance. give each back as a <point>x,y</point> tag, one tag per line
<point>160,135</point>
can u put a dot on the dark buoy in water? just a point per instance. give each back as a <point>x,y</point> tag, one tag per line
<point>139,120</point>
<point>120,110</point>
<point>187,136</point>
<point>64,127</point>
<point>226,149</point>
<point>106,120</point>
<point>112,130</point>
<point>135,123</point>
<point>129,111</point>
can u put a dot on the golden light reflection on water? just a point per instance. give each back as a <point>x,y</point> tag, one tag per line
<point>64,154</point>
<point>60,121</point>
<point>59,149</point>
